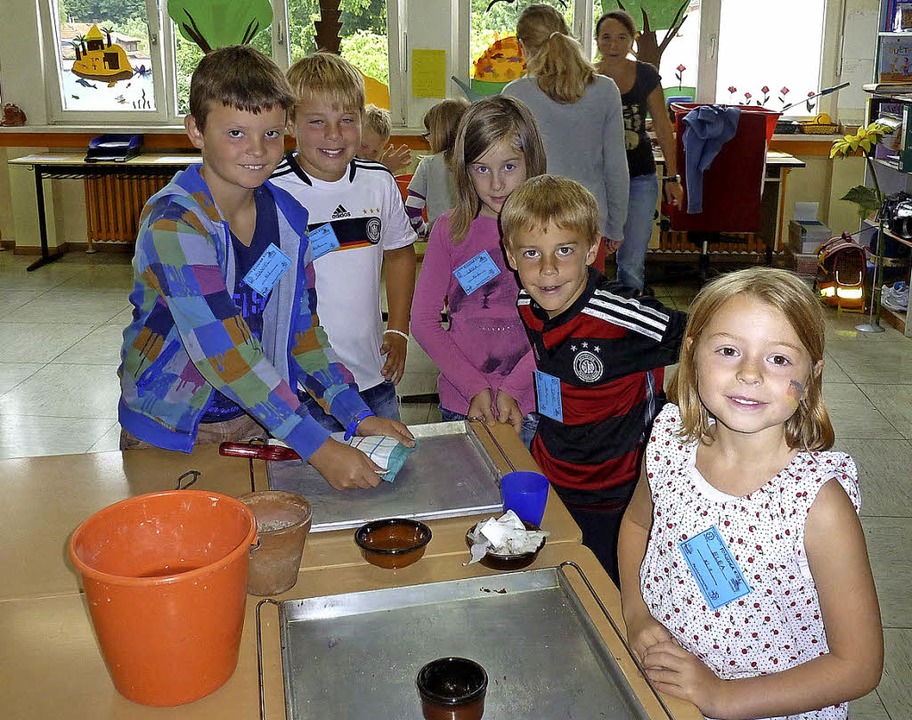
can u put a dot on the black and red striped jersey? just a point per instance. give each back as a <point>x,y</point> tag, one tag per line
<point>609,351</point>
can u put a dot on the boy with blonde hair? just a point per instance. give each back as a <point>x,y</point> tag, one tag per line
<point>600,351</point>
<point>224,315</point>
<point>357,226</point>
<point>375,134</point>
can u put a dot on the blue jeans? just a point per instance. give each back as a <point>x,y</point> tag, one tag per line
<point>631,255</point>
<point>529,423</point>
<point>380,398</point>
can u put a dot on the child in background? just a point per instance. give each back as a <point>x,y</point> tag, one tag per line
<point>357,226</point>
<point>484,357</point>
<point>600,352</point>
<point>376,129</point>
<point>783,619</point>
<point>224,316</point>
<point>433,183</point>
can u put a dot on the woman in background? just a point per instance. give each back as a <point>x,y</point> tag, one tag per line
<point>641,92</point>
<point>579,114</point>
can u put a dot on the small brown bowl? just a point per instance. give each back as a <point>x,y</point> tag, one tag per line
<point>393,543</point>
<point>507,561</point>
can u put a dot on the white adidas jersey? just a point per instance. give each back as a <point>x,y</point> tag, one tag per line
<point>367,215</point>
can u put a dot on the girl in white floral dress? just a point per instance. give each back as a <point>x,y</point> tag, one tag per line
<point>745,579</point>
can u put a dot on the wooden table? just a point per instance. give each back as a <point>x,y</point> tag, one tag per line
<point>49,658</point>
<point>51,666</point>
<point>43,500</point>
<point>68,165</point>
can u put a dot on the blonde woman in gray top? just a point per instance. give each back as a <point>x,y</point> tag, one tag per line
<point>579,114</point>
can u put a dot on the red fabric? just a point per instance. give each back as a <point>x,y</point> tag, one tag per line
<point>733,184</point>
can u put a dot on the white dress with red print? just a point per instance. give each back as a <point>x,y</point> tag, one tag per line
<point>777,625</point>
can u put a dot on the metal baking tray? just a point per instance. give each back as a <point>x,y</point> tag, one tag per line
<point>357,655</point>
<point>451,474</point>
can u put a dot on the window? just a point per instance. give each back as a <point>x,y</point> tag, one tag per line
<point>733,44</point>
<point>103,60</point>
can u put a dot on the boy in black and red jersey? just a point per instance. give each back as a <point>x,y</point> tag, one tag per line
<point>600,351</point>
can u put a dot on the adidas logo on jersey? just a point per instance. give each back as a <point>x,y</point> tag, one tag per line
<point>340,212</point>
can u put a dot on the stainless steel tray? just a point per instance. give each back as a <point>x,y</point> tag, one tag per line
<point>357,655</point>
<point>449,475</point>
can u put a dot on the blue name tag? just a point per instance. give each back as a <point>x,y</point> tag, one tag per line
<point>476,272</point>
<point>714,568</point>
<point>548,394</point>
<point>267,270</point>
<point>323,240</point>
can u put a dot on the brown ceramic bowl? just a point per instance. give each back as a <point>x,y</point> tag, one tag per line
<point>393,543</point>
<point>507,561</point>
<point>452,688</point>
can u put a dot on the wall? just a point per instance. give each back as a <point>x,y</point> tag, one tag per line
<point>850,32</point>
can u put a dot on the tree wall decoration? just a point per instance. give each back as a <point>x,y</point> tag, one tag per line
<point>213,24</point>
<point>651,16</point>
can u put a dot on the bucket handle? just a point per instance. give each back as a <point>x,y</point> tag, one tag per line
<point>259,646</point>
<point>194,474</point>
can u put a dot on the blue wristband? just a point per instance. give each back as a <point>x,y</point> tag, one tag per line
<point>353,425</point>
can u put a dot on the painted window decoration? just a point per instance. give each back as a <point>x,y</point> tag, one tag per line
<point>104,62</point>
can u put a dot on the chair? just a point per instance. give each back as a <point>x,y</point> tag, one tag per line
<point>732,184</point>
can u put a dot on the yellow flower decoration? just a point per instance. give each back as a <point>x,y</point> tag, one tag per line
<point>865,139</point>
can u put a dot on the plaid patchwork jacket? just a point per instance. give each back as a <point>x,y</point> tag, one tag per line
<point>188,339</point>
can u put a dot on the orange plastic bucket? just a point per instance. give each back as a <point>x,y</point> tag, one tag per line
<point>165,577</point>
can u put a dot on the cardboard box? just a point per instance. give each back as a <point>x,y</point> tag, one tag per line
<point>806,232</point>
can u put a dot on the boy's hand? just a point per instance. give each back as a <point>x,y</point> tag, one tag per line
<point>676,671</point>
<point>508,411</point>
<point>480,407</point>
<point>384,426</point>
<point>395,348</point>
<point>396,159</point>
<point>344,467</point>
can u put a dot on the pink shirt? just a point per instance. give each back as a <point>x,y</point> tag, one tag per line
<point>486,344</point>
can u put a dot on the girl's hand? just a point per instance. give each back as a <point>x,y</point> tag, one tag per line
<point>384,426</point>
<point>395,348</point>
<point>611,245</point>
<point>645,633</point>
<point>674,670</point>
<point>674,193</point>
<point>480,407</point>
<point>508,411</point>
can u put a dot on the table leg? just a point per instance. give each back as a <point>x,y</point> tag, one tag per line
<point>46,256</point>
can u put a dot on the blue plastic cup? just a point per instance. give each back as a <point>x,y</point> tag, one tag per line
<point>525,493</point>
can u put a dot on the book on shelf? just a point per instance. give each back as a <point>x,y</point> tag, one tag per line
<point>897,89</point>
<point>895,63</point>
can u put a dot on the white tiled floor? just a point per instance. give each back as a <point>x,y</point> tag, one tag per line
<point>60,330</point>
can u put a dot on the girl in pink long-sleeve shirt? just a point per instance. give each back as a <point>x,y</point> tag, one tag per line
<point>484,356</point>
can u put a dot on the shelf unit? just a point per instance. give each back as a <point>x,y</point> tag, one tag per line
<point>892,159</point>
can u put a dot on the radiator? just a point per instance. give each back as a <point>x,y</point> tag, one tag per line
<point>114,203</point>
<point>677,241</point>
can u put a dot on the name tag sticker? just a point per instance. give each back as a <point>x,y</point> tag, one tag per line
<point>547,391</point>
<point>267,270</point>
<point>714,568</point>
<point>323,240</point>
<point>476,272</point>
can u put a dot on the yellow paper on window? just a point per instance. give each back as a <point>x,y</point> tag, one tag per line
<point>429,73</point>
